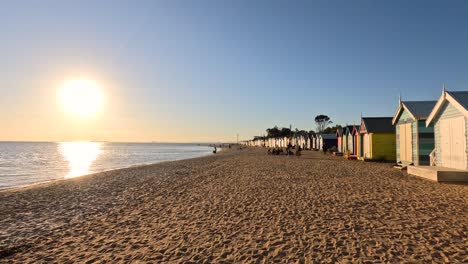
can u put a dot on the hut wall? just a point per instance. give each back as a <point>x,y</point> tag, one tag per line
<point>360,145</point>
<point>330,142</point>
<point>339,142</point>
<point>356,144</point>
<point>383,146</point>
<point>367,146</point>
<point>351,144</point>
<point>425,137</point>
<point>446,112</point>
<point>344,143</point>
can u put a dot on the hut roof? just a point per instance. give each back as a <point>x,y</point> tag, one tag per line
<point>377,125</point>
<point>459,99</point>
<point>347,129</point>
<point>419,110</point>
<point>339,132</point>
<point>355,130</point>
<point>328,136</point>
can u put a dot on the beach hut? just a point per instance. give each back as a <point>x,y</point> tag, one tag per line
<point>355,140</point>
<point>309,140</point>
<point>294,141</point>
<point>312,139</point>
<point>414,141</point>
<point>450,119</point>
<point>345,138</point>
<point>316,141</point>
<point>357,144</point>
<point>377,137</point>
<point>328,139</point>
<point>339,139</point>
<point>301,141</point>
<point>350,140</point>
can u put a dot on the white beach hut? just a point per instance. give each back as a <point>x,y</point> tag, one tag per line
<point>450,119</point>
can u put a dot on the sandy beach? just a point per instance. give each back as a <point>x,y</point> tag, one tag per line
<point>238,206</point>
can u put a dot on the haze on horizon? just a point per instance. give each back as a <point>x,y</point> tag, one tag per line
<point>203,71</point>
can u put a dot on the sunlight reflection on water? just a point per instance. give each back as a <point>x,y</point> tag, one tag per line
<point>80,156</point>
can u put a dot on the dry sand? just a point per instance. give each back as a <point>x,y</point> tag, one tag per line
<point>238,206</point>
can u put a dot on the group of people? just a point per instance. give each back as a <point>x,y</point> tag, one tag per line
<point>275,151</point>
<point>289,150</point>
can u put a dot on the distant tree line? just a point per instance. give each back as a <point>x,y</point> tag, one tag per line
<point>322,123</point>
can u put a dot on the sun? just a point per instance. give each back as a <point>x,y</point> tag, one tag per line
<point>81,97</point>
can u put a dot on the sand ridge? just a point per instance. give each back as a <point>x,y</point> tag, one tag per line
<point>238,206</point>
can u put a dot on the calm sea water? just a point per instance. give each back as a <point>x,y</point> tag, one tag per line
<point>23,163</point>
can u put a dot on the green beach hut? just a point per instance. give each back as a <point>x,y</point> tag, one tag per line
<point>414,141</point>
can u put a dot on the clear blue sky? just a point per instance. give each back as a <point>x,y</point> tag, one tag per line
<point>205,70</point>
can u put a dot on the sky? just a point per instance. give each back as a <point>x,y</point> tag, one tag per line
<point>205,71</point>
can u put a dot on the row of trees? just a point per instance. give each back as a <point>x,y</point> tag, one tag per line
<point>322,123</point>
<point>284,132</point>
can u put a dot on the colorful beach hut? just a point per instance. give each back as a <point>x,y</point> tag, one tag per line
<point>355,140</point>
<point>450,119</point>
<point>339,139</point>
<point>377,136</point>
<point>345,139</point>
<point>350,140</point>
<point>414,141</point>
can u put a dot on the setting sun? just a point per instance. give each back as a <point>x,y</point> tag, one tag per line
<point>80,97</point>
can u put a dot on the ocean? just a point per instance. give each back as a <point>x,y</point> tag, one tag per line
<point>25,163</point>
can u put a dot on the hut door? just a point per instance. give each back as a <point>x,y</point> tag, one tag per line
<point>453,142</point>
<point>350,144</point>
<point>366,144</point>
<point>409,142</point>
<point>402,142</point>
<point>406,146</point>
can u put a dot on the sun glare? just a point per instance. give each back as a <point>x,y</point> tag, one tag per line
<point>82,98</point>
<point>80,156</point>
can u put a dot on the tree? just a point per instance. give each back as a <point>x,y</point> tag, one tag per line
<point>322,121</point>
<point>285,132</point>
<point>276,132</point>
<point>273,132</point>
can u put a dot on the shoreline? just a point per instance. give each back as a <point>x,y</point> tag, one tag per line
<point>32,185</point>
<point>238,206</point>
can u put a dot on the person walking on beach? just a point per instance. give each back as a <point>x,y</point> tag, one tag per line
<point>215,150</point>
<point>298,150</point>
<point>289,150</point>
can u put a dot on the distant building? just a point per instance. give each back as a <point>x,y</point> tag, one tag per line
<point>328,139</point>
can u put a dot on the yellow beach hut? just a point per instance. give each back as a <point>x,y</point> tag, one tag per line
<point>377,136</point>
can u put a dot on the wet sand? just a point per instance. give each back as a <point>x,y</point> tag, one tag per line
<point>238,206</point>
